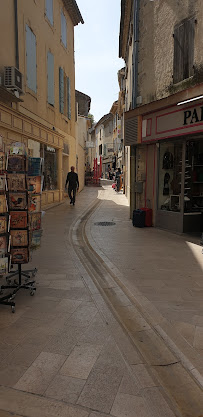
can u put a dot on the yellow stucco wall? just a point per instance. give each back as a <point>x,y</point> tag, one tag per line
<point>37,119</point>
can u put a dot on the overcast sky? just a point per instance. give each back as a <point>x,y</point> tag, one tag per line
<point>96,53</point>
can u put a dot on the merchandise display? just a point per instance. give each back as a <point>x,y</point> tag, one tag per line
<point>20,217</point>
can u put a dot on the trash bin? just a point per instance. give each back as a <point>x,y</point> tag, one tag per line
<point>148,216</point>
<point>138,218</point>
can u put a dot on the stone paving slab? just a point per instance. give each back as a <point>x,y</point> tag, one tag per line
<point>63,352</point>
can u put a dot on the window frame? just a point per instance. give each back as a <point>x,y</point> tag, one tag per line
<point>31,81</point>
<point>46,14</point>
<point>63,27</point>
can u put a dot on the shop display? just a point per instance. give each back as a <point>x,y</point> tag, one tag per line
<point>3,183</point>
<point>4,223</point>
<point>169,176</point>
<point>3,204</point>
<point>34,166</point>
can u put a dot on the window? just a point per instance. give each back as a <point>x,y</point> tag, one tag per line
<point>49,11</point>
<point>50,78</point>
<point>68,99</point>
<point>61,90</point>
<point>63,29</point>
<point>183,51</point>
<point>170,170</point>
<point>100,149</point>
<point>64,94</point>
<point>31,59</point>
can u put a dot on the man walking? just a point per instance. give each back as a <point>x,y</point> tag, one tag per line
<point>73,184</point>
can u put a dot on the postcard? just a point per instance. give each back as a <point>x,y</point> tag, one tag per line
<point>2,161</point>
<point>4,223</point>
<point>35,221</point>
<point>34,203</point>
<point>35,239</point>
<point>17,201</point>
<point>18,219</point>
<point>19,237</point>
<point>3,204</point>
<point>16,163</point>
<point>3,183</point>
<point>17,148</point>
<point>3,245</point>
<point>34,184</point>
<point>19,255</point>
<point>34,166</point>
<point>4,265</point>
<point>16,182</point>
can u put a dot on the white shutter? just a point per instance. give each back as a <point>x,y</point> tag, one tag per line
<point>31,59</point>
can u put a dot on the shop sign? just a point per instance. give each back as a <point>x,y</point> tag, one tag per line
<point>172,122</point>
<point>50,149</point>
<point>89,144</point>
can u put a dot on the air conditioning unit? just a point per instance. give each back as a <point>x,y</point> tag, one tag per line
<point>13,79</point>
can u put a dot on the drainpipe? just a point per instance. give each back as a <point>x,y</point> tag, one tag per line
<point>16,33</point>
<point>136,12</point>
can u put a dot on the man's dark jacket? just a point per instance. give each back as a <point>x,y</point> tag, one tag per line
<point>72,180</point>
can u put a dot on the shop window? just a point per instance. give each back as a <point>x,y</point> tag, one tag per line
<point>63,29</point>
<point>170,169</point>
<point>49,11</point>
<point>193,186</point>
<point>50,168</point>
<point>31,59</point>
<point>50,78</point>
<point>183,50</point>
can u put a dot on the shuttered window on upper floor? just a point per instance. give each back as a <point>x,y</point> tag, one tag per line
<point>49,11</point>
<point>61,90</point>
<point>68,99</point>
<point>63,29</point>
<point>183,50</point>
<point>31,59</point>
<point>50,78</point>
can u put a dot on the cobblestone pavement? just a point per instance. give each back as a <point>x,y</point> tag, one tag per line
<point>63,353</point>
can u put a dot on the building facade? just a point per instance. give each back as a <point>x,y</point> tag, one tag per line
<point>83,123</point>
<point>164,128</point>
<point>104,142</point>
<point>38,106</point>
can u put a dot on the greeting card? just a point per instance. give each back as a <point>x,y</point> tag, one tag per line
<point>19,237</point>
<point>18,219</point>
<point>19,255</point>
<point>17,201</point>
<point>16,182</point>
<point>34,203</point>
<point>34,184</point>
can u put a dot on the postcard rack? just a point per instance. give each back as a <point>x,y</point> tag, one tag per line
<point>23,185</point>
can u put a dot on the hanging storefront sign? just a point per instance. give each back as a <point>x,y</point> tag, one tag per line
<point>50,149</point>
<point>172,122</point>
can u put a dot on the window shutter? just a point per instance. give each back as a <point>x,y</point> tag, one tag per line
<point>49,11</point>
<point>68,98</point>
<point>50,77</point>
<point>31,59</point>
<point>63,29</point>
<point>61,90</point>
<point>190,41</point>
<point>183,51</point>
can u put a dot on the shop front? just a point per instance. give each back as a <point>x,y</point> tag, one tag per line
<point>175,134</point>
<point>40,141</point>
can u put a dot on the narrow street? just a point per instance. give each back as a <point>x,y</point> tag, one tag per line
<point>115,327</point>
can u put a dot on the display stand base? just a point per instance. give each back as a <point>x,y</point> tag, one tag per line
<point>18,285</point>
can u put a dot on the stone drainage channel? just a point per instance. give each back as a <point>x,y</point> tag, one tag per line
<point>167,366</point>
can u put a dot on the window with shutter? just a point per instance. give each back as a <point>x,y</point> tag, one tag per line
<point>31,59</point>
<point>49,11</point>
<point>61,90</point>
<point>50,78</point>
<point>63,29</point>
<point>183,50</point>
<point>68,98</point>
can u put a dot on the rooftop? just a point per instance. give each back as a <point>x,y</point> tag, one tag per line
<point>74,12</point>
